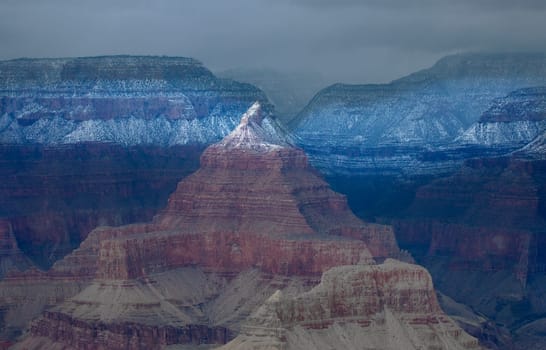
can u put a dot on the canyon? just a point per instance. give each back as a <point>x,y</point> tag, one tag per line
<point>253,219</point>
<point>447,163</point>
<point>416,125</point>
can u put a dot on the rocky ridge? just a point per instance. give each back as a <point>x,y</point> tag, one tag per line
<point>485,226</point>
<point>254,205</point>
<point>387,306</point>
<point>512,121</point>
<point>128,100</point>
<point>410,125</point>
<point>52,197</point>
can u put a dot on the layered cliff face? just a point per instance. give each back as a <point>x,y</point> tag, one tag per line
<point>123,99</point>
<point>512,121</point>
<point>387,306</point>
<point>103,141</point>
<point>52,197</point>
<point>481,234</point>
<point>393,128</point>
<point>254,218</point>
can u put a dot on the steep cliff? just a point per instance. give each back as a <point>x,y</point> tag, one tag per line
<point>52,197</point>
<point>254,218</point>
<point>123,99</point>
<point>103,141</point>
<point>393,128</point>
<point>481,234</point>
<point>512,121</point>
<point>387,306</point>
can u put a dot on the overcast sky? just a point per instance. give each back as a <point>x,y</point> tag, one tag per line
<point>344,40</point>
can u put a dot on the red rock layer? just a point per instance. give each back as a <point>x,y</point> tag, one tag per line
<point>53,197</point>
<point>77,334</point>
<point>275,193</point>
<point>225,252</point>
<point>93,108</point>
<point>254,204</point>
<point>363,291</point>
<point>387,306</point>
<point>251,204</point>
<point>487,217</point>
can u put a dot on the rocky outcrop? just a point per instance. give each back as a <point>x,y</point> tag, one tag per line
<point>393,128</point>
<point>184,306</point>
<point>97,141</point>
<point>481,234</point>
<point>251,190</point>
<point>387,306</point>
<point>512,121</point>
<point>128,100</point>
<point>52,197</point>
<point>495,201</point>
<point>536,148</point>
<point>254,205</point>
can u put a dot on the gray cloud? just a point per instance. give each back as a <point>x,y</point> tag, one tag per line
<point>345,40</point>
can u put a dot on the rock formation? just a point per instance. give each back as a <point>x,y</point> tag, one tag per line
<point>512,121</point>
<point>481,234</point>
<point>403,127</point>
<point>387,306</point>
<point>11,257</point>
<point>52,197</point>
<point>128,100</point>
<point>253,218</point>
<point>91,141</point>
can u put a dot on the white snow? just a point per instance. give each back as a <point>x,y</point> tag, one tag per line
<point>255,132</point>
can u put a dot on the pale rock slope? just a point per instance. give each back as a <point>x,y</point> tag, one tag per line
<point>387,306</point>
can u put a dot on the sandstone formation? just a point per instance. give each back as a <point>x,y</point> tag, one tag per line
<point>254,218</point>
<point>480,233</point>
<point>387,306</point>
<point>103,141</point>
<point>52,197</point>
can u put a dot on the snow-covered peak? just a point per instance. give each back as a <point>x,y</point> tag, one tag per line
<point>255,132</point>
<point>254,114</point>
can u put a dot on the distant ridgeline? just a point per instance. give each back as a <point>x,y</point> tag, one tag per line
<point>428,121</point>
<point>122,99</point>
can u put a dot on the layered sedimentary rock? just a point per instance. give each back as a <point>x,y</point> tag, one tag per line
<point>481,234</point>
<point>499,201</point>
<point>387,306</point>
<point>402,127</point>
<point>254,205</point>
<point>52,197</point>
<point>179,306</point>
<point>103,141</point>
<point>536,148</point>
<point>124,99</point>
<point>512,121</point>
